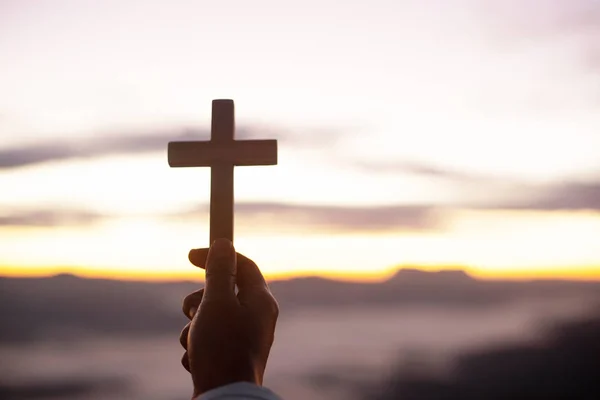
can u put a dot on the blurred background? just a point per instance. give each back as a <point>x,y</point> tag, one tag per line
<point>432,229</point>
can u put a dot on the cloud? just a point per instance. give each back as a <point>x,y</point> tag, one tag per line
<point>575,22</point>
<point>49,218</point>
<point>417,168</point>
<point>500,194</point>
<point>139,143</point>
<point>568,196</point>
<point>374,218</point>
<point>568,18</point>
<point>336,218</point>
<point>287,216</point>
<point>551,20</point>
<point>503,192</point>
<point>471,186</point>
<point>41,152</point>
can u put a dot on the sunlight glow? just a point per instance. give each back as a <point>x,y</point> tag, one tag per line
<point>450,106</point>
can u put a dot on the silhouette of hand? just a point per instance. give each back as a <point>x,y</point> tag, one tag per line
<point>229,337</point>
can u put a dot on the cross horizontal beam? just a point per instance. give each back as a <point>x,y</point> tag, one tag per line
<point>206,154</point>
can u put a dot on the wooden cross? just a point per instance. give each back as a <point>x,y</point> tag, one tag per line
<point>222,153</point>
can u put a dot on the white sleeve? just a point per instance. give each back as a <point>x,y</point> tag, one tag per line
<point>239,391</point>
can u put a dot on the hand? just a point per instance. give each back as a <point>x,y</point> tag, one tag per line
<point>229,337</point>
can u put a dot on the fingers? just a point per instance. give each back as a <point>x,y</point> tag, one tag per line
<point>183,340</point>
<point>198,257</point>
<point>249,276</point>
<point>253,289</point>
<point>220,271</point>
<point>183,337</point>
<point>248,273</point>
<point>192,302</point>
<point>185,361</point>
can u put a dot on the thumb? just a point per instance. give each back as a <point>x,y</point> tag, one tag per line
<point>220,271</point>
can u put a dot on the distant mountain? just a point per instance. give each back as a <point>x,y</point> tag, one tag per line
<point>64,306</point>
<point>444,277</point>
<point>413,286</point>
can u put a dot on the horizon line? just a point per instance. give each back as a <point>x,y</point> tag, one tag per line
<point>590,273</point>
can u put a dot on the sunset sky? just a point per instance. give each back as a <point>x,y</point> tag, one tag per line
<point>438,134</point>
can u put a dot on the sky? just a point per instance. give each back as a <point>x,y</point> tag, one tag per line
<point>437,134</point>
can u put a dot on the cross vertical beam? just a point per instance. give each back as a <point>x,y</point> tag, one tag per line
<point>221,173</point>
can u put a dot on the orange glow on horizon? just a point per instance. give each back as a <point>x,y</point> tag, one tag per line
<point>580,273</point>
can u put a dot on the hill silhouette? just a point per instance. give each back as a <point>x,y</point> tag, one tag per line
<point>62,306</point>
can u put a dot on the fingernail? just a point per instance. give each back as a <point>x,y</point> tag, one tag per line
<point>221,247</point>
